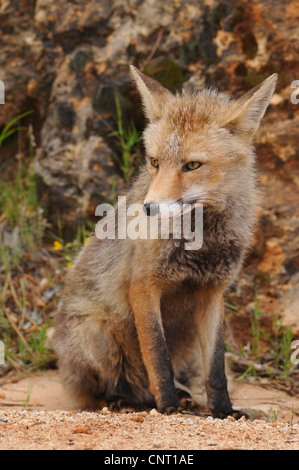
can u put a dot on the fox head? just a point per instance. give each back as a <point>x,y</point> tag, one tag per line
<point>199,145</point>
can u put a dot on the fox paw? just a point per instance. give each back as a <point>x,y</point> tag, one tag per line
<point>120,405</point>
<point>236,414</point>
<point>170,410</point>
<point>184,399</point>
<point>184,404</point>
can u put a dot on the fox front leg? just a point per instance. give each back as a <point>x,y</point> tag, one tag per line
<point>216,383</point>
<point>210,312</point>
<point>145,302</point>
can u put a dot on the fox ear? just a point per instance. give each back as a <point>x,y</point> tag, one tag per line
<point>153,94</point>
<point>251,107</point>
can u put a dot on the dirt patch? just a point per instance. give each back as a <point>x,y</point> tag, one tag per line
<point>35,413</point>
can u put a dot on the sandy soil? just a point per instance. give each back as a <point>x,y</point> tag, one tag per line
<point>35,414</point>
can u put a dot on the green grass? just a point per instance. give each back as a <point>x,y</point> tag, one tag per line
<point>255,328</point>
<point>127,140</point>
<point>20,207</point>
<point>36,354</point>
<point>280,347</point>
<point>10,257</point>
<point>230,306</point>
<point>249,372</point>
<point>28,258</point>
<point>9,129</point>
<point>272,348</point>
<point>27,401</point>
<point>23,211</point>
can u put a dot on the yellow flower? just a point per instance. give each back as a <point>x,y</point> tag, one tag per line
<point>69,264</point>
<point>85,241</point>
<point>57,245</point>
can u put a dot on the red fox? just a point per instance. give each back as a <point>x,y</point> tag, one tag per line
<point>140,320</point>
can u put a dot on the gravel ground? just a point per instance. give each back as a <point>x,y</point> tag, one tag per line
<point>51,422</point>
<point>63,430</point>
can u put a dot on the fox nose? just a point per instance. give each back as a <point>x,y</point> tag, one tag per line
<point>151,209</point>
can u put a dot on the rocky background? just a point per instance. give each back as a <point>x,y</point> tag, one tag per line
<point>68,60</point>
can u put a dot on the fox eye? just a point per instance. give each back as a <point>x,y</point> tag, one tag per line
<point>190,166</point>
<point>154,162</point>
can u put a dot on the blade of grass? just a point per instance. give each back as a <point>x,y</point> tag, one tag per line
<point>6,132</point>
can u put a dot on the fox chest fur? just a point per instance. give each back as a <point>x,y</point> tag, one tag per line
<point>216,263</point>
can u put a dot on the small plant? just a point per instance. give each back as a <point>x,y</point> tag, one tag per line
<point>275,416</point>
<point>22,212</point>
<point>10,256</point>
<point>274,358</point>
<point>35,353</point>
<point>230,306</point>
<point>21,235</point>
<point>127,140</point>
<point>20,205</point>
<point>10,130</point>
<point>29,390</point>
<point>250,371</point>
<point>280,346</point>
<point>255,328</point>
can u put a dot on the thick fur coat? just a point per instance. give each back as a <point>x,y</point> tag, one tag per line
<point>140,321</point>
